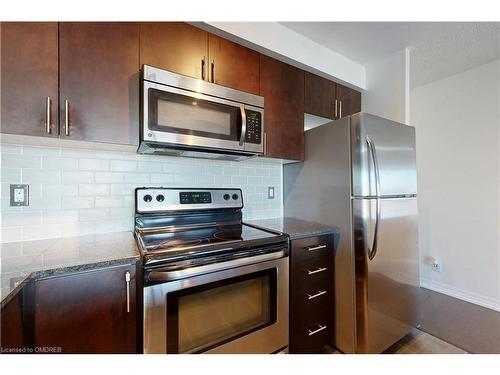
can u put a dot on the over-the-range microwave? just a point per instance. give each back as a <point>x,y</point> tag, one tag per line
<point>185,116</point>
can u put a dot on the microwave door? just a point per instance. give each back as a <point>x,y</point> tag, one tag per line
<point>180,117</point>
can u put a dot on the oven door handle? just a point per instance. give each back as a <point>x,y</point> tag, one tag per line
<point>209,268</point>
<point>243,124</point>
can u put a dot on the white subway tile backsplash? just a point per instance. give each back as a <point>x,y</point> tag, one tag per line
<point>93,165</point>
<point>76,191</point>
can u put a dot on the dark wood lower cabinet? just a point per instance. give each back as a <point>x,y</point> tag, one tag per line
<point>87,312</point>
<point>11,325</point>
<point>311,294</point>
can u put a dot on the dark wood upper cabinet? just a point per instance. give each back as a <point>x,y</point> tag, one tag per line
<point>87,312</point>
<point>29,68</point>
<point>319,96</point>
<point>349,101</point>
<point>282,87</point>
<point>99,79</point>
<point>233,65</point>
<point>175,46</point>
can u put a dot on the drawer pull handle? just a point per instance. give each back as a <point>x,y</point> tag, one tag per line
<point>312,248</point>
<point>321,328</point>
<point>312,296</point>
<point>317,270</point>
<point>127,281</point>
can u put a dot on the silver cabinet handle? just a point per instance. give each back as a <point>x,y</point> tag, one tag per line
<point>243,124</point>
<point>265,144</point>
<point>203,68</point>
<point>127,281</point>
<point>371,146</point>
<point>212,71</point>
<point>321,328</point>
<point>313,248</point>
<point>313,296</point>
<point>317,270</point>
<point>340,108</point>
<point>336,101</point>
<point>48,109</point>
<point>66,117</point>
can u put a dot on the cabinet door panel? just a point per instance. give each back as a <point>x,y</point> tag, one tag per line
<point>87,312</point>
<point>99,76</point>
<point>234,66</point>
<point>175,46</point>
<point>282,86</point>
<point>349,101</point>
<point>319,96</point>
<point>29,71</point>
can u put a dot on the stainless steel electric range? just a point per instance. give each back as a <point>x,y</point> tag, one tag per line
<point>211,283</point>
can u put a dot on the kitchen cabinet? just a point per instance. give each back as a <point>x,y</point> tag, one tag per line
<point>348,101</point>
<point>319,96</point>
<point>88,312</point>
<point>328,99</point>
<point>282,87</point>
<point>175,46</point>
<point>233,65</point>
<point>311,293</point>
<point>99,81</point>
<point>29,84</point>
<point>11,325</point>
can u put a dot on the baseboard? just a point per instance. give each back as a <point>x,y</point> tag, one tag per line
<point>464,295</point>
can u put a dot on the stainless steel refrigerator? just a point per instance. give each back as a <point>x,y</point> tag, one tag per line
<point>359,175</point>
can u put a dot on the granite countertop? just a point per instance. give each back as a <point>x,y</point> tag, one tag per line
<point>23,261</point>
<point>295,228</point>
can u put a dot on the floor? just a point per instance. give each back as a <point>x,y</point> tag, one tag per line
<point>417,342</point>
<point>474,328</point>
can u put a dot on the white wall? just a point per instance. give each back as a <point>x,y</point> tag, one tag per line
<point>77,191</point>
<point>457,122</point>
<point>387,87</point>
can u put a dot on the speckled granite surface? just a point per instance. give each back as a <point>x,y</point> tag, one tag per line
<point>293,227</point>
<point>21,262</point>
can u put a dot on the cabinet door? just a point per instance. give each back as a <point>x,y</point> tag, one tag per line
<point>87,312</point>
<point>282,87</point>
<point>349,101</point>
<point>175,46</point>
<point>11,324</point>
<point>29,67</point>
<point>319,96</point>
<point>233,65</point>
<point>99,79</point>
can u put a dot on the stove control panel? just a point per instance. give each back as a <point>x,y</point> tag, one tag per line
<point>159,199</point>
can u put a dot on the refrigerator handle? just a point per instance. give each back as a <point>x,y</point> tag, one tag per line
<point>371,146</point>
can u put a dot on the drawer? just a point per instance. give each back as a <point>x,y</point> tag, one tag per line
<point>311,248</point>
<point>301,285</point>
<point>310,330</point>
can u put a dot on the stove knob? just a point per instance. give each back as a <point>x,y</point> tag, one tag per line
<point>226,197</point>
<point>160,198</point>
<point>235,196</point>
<point>147,198</point>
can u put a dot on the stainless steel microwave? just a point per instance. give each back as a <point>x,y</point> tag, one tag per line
<point>190,117</point>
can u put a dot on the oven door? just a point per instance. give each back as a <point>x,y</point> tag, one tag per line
<point>190,119</point>
<point>239,310</point>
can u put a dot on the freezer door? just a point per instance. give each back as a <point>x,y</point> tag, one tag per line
<point>388,146</point>
<point>387,271</point>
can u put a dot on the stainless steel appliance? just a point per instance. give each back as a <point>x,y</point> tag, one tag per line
<point>211,283</point>
<point>191,117</point>
<point>359,174</point>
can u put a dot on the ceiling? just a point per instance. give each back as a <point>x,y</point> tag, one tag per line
<point>438,49</point>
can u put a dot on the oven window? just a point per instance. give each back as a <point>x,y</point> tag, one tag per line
<point>206,316</point>
<point>182,114</point>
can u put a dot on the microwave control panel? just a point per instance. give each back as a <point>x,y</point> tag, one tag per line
<point>254,127</point>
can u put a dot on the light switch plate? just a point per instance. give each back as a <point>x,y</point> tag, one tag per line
<point>270,192</point>
<point>19,195</point>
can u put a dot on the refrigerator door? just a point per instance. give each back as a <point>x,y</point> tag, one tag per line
<point>387,145</point>
<point>387,271</point>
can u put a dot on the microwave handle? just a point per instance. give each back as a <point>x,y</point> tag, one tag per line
<point>243,125</point>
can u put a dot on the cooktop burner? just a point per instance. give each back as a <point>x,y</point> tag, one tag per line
<point>210,227</point>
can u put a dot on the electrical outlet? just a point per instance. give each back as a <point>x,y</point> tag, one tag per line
<point>437,265</point>
<point>19,195</point>
<point>270,192</point>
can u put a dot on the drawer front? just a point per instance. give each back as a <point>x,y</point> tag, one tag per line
<point>311,248</point>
